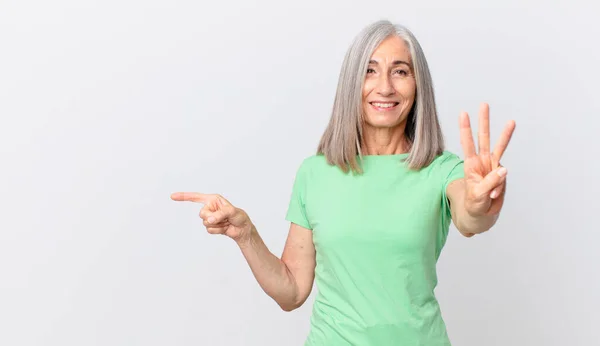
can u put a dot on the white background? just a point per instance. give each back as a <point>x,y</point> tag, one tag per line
<point>108,107</point>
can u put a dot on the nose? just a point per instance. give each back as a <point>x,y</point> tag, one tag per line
<point>384,86</point>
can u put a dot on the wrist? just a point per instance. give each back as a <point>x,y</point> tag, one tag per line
<point>477,223</point>
<point>245,238</point>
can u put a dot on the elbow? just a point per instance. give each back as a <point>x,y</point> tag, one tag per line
<point>289,307</point>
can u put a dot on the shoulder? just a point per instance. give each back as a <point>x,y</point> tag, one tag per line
<point>447,165</point>
<point>446,160</point>
<point>316,171</point>
<point>312,163</point>
<point>446,157</point>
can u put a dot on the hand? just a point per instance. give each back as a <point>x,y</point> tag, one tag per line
<point>220,216</point>
<point>485,178</point>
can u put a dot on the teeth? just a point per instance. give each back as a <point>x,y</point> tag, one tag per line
<point>383,105</point>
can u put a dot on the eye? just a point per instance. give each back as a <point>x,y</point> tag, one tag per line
<point>403,73</point>
<point>370,70</point>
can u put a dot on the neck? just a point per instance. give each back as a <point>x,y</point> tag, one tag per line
<point>384,141</point>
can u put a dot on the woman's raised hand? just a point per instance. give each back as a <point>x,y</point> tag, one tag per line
<point>485,178</point>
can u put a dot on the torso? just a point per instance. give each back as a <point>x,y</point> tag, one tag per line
<point>377,238</point>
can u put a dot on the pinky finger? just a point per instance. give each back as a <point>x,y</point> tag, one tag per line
<point>496,192</point>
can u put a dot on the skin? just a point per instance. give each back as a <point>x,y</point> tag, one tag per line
<point>475,201</point>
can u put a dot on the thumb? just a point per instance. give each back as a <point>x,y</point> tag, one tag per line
<point>229,212</point>
<point>491,181</point>
<point>220,213</point>
<point>225,211</point>
<point>218,216</point>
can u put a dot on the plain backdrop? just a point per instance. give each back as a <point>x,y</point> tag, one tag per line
<point>107,107</point>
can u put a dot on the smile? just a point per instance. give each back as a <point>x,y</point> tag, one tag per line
<point>384,106</point>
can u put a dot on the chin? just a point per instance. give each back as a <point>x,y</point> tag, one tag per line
<point>383,121</point>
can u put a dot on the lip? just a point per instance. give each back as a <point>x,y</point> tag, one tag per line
<point>382,109</point>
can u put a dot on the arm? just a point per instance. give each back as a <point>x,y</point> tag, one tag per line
<point>288,280</point>
<point>467,224</point>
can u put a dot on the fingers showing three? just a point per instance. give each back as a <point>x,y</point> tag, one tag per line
<point>468,144</point>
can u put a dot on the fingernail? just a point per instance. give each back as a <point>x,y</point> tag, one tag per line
<point>502,171</point>
<point>494,194</point>
<point>211,219</point>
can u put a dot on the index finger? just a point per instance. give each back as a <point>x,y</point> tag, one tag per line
<point>190,197</point>
<point>466,135</point>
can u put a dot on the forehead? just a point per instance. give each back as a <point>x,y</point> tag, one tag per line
<point>392,48</point>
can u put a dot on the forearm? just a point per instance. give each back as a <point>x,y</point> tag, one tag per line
<point>272,274</point>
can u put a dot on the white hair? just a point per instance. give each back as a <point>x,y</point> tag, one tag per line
<point>341,142</point>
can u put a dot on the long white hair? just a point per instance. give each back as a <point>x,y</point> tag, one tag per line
<point>341,142</point>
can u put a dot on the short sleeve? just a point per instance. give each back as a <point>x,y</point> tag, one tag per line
<point>296,212</point>
<point>452,169</point>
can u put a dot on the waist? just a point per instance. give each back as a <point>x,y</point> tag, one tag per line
<point>381,321</point>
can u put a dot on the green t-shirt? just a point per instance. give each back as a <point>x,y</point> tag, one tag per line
<point>378,237</point>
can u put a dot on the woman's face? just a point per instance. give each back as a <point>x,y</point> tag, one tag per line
<point>389,89</point>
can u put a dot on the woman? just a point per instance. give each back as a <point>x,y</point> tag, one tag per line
<point>370,212</point>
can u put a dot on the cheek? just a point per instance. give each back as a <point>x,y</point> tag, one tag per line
<point>407,89</point>
<point>367,88</point>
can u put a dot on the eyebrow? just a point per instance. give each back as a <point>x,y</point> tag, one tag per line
<point>395,63</point>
